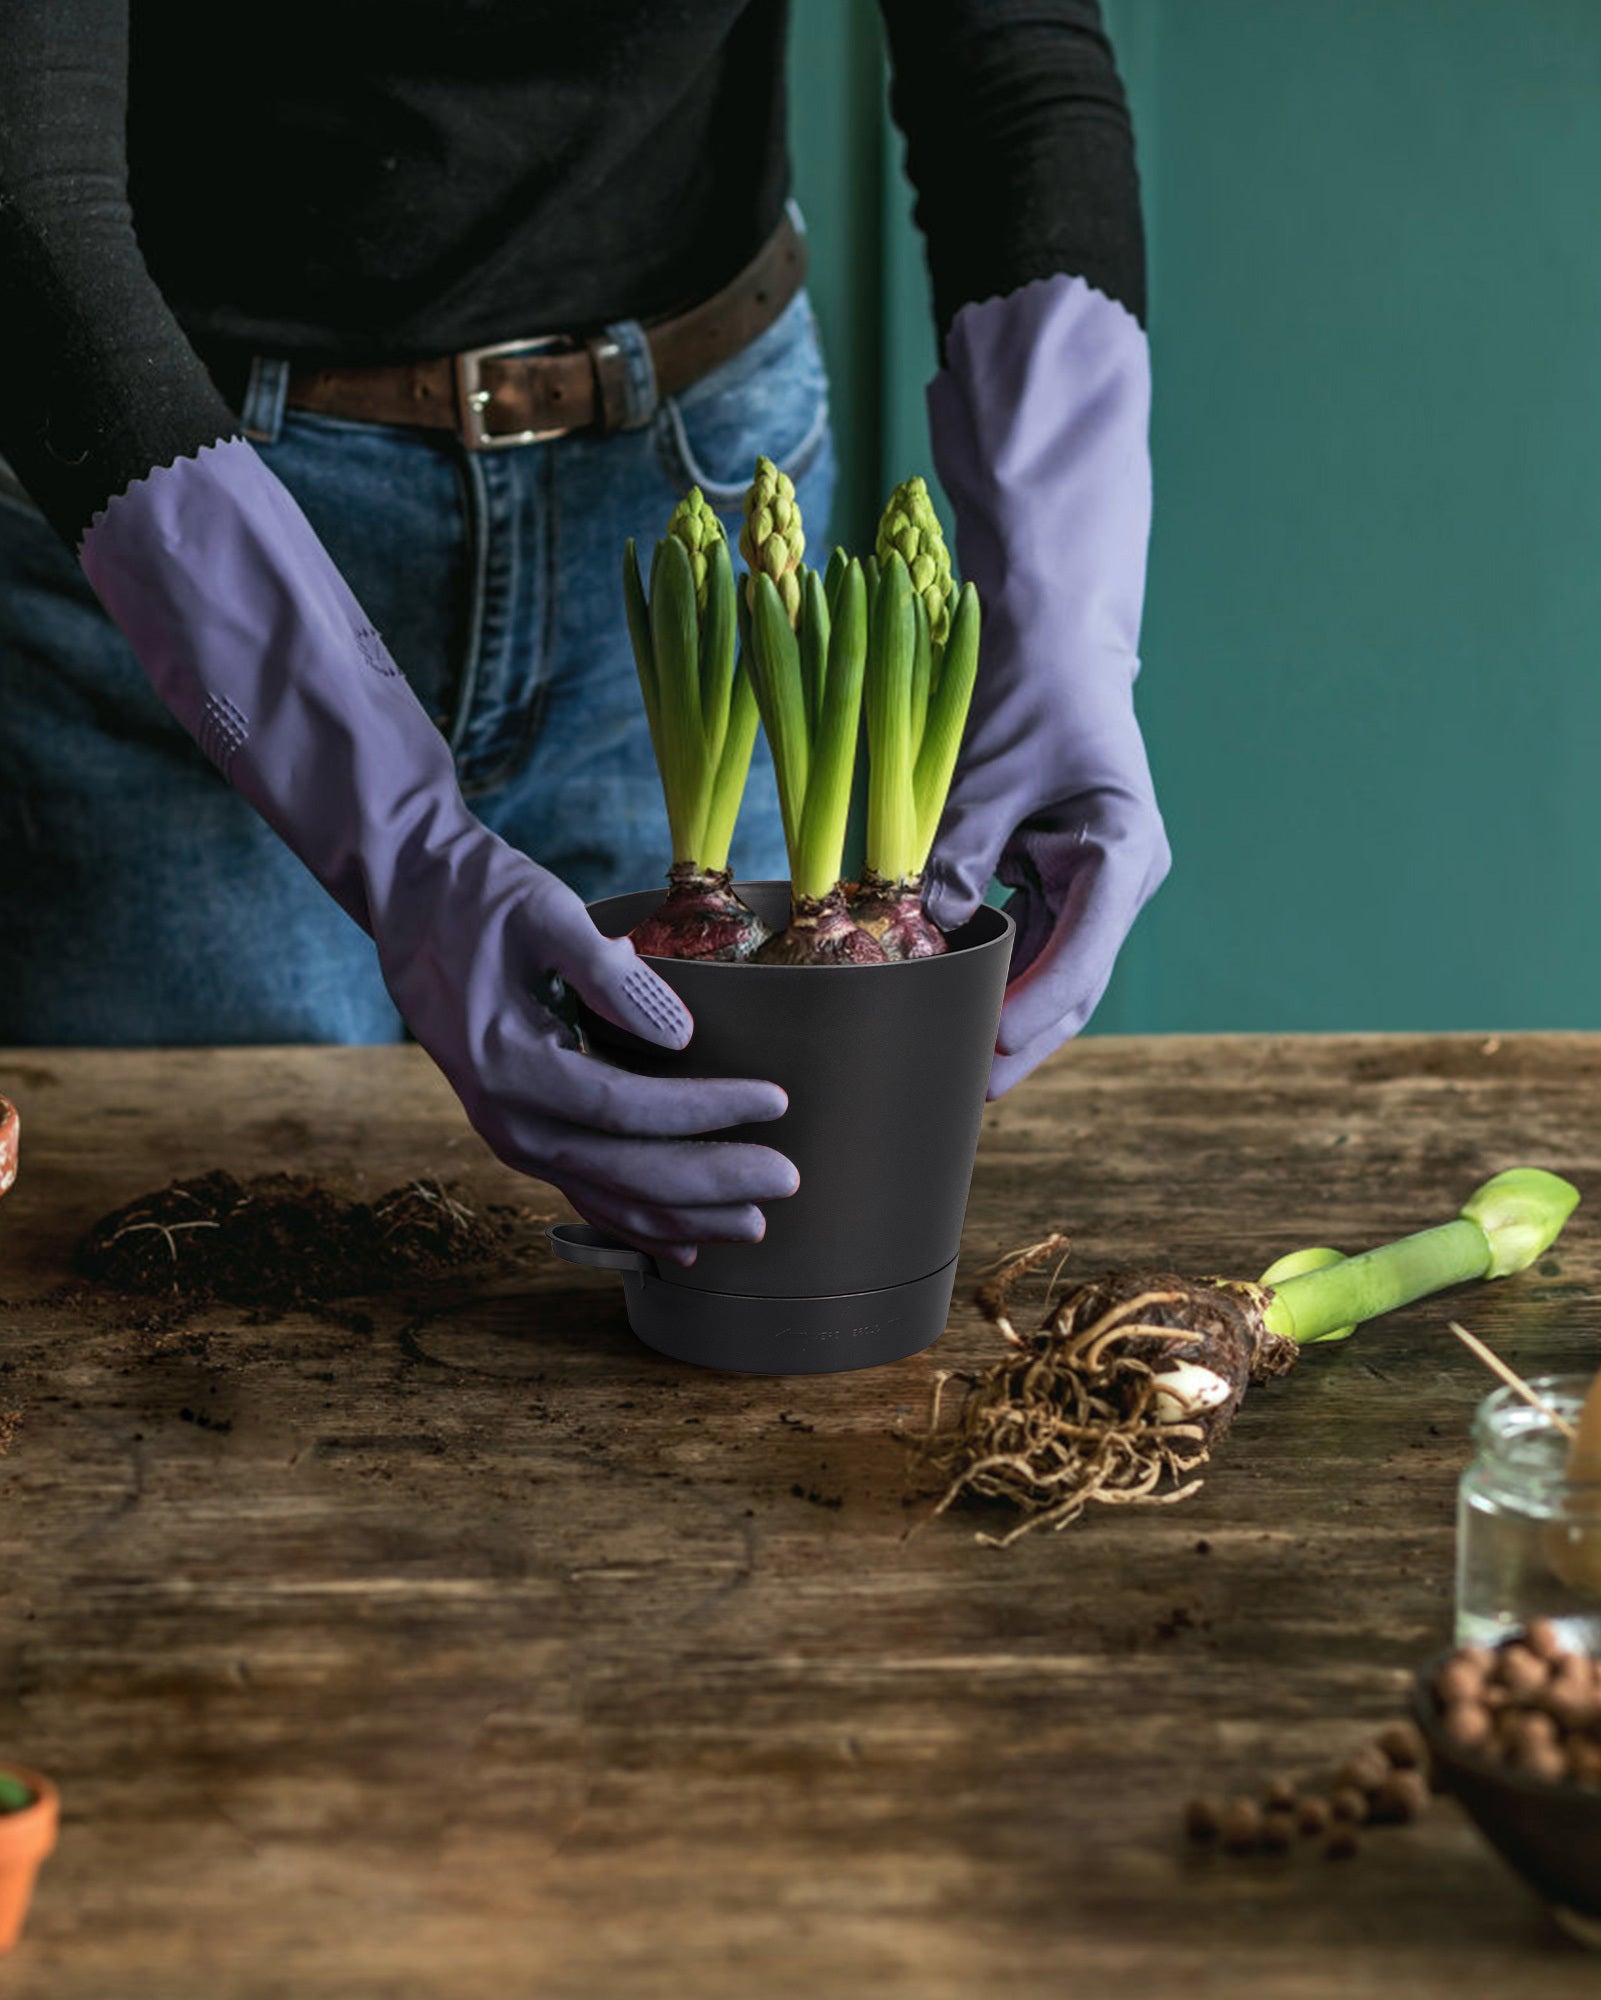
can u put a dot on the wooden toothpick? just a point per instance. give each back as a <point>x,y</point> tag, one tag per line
<point>1511,1378</point>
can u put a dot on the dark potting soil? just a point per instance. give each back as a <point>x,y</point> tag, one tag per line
<point>282,1240</point>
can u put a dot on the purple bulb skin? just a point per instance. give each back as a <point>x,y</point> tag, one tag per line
<point>822,932</point>
<point>700,917</point>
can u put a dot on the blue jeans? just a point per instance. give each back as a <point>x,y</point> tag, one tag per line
<point>142,902</point>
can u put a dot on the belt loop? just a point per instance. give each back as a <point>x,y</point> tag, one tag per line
<point>625,374</point>
<point>261,413</point>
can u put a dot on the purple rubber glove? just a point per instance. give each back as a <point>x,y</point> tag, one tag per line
<point>1038,422</point>
<point>252,638</point>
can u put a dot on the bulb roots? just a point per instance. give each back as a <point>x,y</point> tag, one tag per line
<point>1078,1412</point>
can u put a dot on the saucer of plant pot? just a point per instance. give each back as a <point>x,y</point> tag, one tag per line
<point>886,1068</point>
<point>29,1811</point>
<point>1548,1829</point>
<point>10,1133</point>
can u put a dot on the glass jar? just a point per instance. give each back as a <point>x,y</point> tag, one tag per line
<point>1528,1537</point>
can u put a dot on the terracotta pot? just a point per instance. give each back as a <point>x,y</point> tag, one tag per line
<point>26,1837</point>
<point>10,1129</point>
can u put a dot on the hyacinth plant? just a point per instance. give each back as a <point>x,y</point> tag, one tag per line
<point>922,663</point>
<point>804,652</point>
<point>702,715</point>
<point>1135,1377</point>
<point>808,657</point>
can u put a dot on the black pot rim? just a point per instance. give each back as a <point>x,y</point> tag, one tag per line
<point>1000,924</point>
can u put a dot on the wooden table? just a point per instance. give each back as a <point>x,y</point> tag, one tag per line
<point>483,1654</point>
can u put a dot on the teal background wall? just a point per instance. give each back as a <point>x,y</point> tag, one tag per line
<point>1371,685</point>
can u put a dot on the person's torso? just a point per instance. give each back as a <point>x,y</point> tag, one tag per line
<point>419,176</point>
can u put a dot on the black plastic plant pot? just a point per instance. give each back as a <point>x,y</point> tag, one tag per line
<point>886,1068</point>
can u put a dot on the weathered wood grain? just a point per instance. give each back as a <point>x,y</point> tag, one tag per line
<point>482,1653</point>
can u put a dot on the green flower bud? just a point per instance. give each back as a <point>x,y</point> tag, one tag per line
<point>910,528</point>
<point>773,540</point>
<point>698,528</point>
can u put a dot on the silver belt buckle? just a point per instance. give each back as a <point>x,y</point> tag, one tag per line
<point>472,399</point>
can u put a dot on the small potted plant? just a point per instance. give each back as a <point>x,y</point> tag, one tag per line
<point>883,1043</point>
<point>29,1811</point>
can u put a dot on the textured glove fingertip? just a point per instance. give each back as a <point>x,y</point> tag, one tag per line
<point>660,1015</point>
<point>631,996</point>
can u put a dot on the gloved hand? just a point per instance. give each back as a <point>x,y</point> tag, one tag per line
<point>251,637</point>
<point>1038,423</point>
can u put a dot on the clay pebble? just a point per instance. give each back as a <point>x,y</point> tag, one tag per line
<point>1364,1772</point>
<point>1241,1827</point>
<point>1350,1804</point>
<point>1403,1796</point>
<point>1521,1671</point>
<point>1402,1743</point>
<point>1532,1706</point>
<point>1529,1704</point>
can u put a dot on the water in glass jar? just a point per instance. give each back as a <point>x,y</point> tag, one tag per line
<point>1528,1538</point>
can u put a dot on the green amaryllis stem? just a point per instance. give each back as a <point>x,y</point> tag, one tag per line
<point>1502,1228</point>
<point>816,864</point>
<point>776,675</point>
<point>949,701</point>
<point>891,818</point>
<point>1295,1265</point>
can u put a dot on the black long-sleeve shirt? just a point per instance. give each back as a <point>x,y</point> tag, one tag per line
<point>394,179</point>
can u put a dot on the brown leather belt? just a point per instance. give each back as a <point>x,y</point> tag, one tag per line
<point>525,391</point>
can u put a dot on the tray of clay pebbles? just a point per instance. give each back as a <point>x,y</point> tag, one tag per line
<point>1514,1733</point>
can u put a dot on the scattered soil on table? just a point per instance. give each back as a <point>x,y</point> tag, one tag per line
<point>10,1424</point>
<point>284,1240</point>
